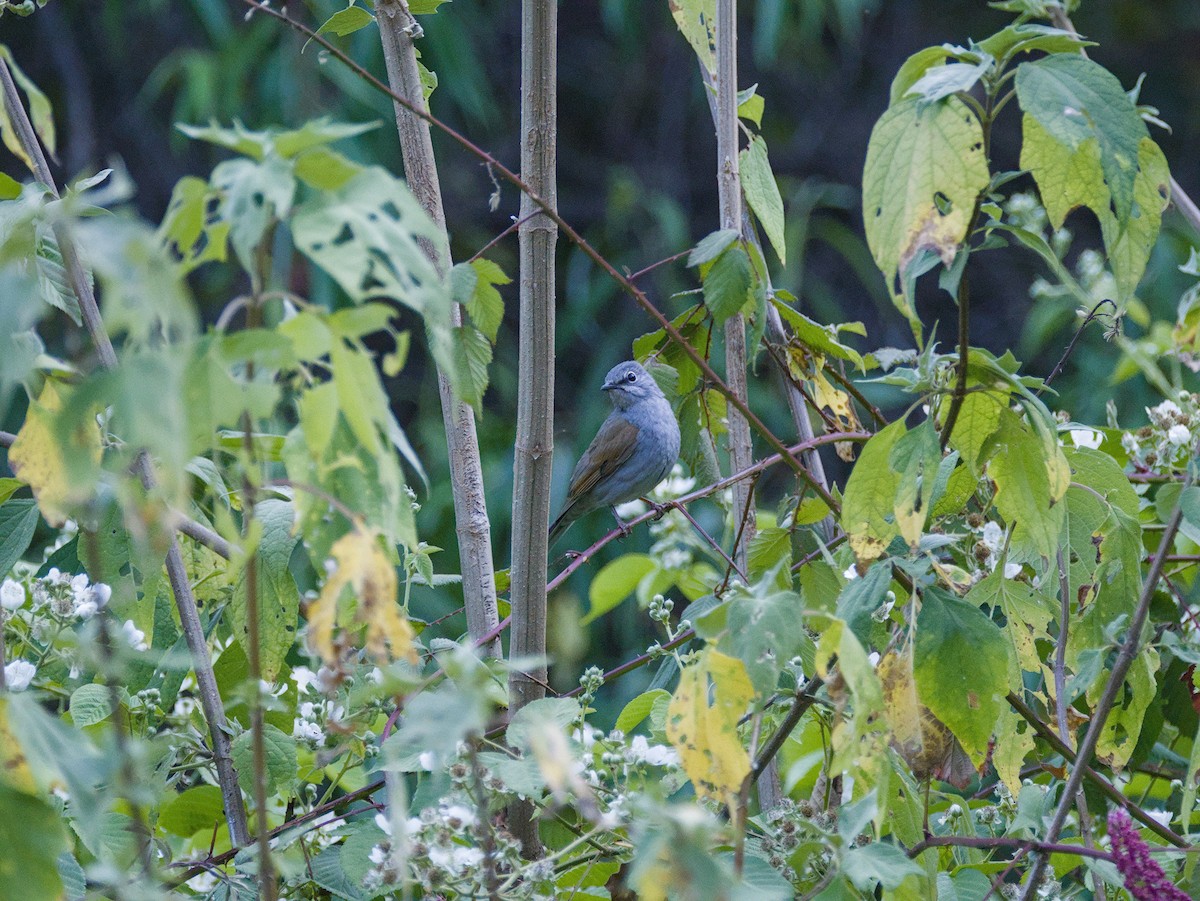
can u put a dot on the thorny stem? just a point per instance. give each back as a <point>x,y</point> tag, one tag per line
<point>185,600</point>
<point>964,350</point>
<point>1005,841</point>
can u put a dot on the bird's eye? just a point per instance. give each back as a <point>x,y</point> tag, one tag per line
<point>632,377</point>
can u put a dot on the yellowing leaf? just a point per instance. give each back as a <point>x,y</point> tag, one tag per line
<point>39,458</point>
<point>925,168</point>
<point>697,21</point>
<point>14,768</point>
<point>362,566</point>
<point>704,733</point>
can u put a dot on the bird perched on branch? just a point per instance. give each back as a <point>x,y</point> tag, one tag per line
<point>633,451</point>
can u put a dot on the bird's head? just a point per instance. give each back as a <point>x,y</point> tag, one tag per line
<point>627,383</point>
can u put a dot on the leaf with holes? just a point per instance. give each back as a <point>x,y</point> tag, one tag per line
<point>925,169</point>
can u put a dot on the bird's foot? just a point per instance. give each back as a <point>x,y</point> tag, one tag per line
<point>623,528</point>
<point>659,510</point>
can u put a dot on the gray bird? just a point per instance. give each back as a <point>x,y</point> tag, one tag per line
<point>633,451</point>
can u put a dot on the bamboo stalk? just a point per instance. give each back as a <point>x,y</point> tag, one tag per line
<point>729,196</point>
<point>534,451</point>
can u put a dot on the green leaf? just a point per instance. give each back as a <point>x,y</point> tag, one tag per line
<point>616,581</point>
<point>1077,101</point>
<point>424,7</point>
<point>473,353</point>
<point>197,809</point>
<point>473,286</point>
<point>862,597</point>
<point>366,235</point>
<point>710,247</point>
<point>253,195</point>
<point>9,487</point>
<point>762,193</point>
<point>90,704</point>
<point>914,68</point>
<point>868,509</point>
<point>536,715</point>
<point>768,550</point>
<point>258,144</point>
<point>941,81</point>
<point>434,722</point>
<point>727,283</point>
<point>325,169</point>
<point>32,835</point>
<point>978,419</point>
<point>639,708</point>
<point>751,105</point>
<point>346,21</point>
<point>280,757</point>
<point>41,115</point>
<point>1027,37</point>
<point>189,229</point>
<point>961,669</point>
<point>278,596</point>
<point>1031,479</point>
<point>878,863</point>
<point>925,168</point>
<point>760,630</point>
<point>915,457</point>
<point>1129,243</point>
<point>18,520</point>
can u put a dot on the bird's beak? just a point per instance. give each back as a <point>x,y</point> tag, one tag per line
<point>608,386</point>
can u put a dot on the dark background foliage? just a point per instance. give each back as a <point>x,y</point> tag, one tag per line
<point>636,166</point>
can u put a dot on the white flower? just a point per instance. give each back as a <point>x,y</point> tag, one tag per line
<point>304,679</point>
<point>641,751</point>
<point>1179,434</point>
<point>456,858</point>
<point>992,536</point>
<point>85,609</point>
<point>1163,816</point>
<point>134,637</point>
<point>427,760</point>
<point>18,674</point>
<point>630,509</point>
<point>384,824</point>
<point>307,730</point>
<point>12,595</point>
<point>1012,570</point>
<point>1164,410</point>
<point>460,813</point>
<point>99,594</point>
<point>1130,443</point>
<point>850,574</point>
<point>1086,438</point>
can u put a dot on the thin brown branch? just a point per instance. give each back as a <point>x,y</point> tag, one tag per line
<point>1004,841</point>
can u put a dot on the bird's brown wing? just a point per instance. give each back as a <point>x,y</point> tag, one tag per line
<point>611,447</point>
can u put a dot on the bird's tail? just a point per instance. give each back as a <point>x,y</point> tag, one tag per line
<point>560,525</point>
